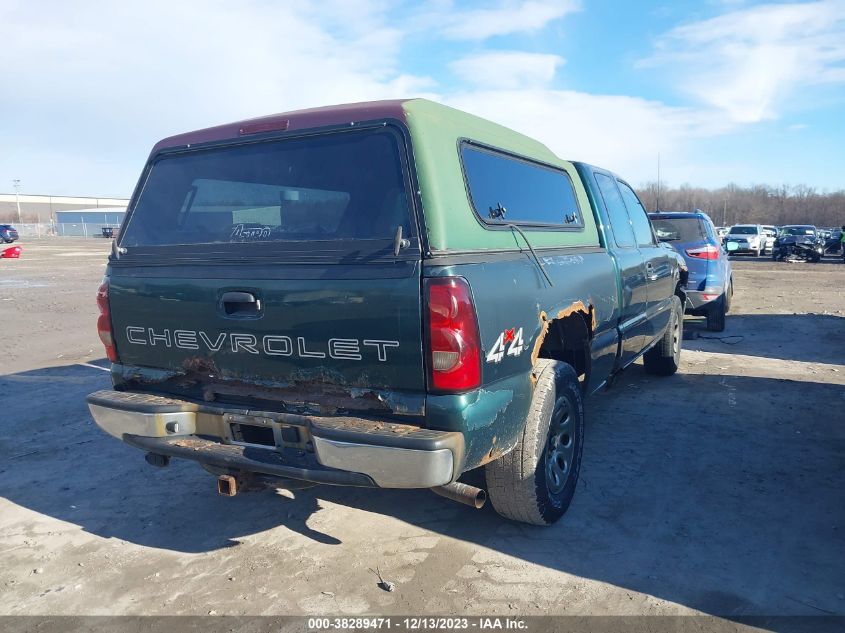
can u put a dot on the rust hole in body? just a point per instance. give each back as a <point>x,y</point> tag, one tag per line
<point>566,337</point>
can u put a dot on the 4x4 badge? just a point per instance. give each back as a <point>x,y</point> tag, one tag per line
<point>510,339</point>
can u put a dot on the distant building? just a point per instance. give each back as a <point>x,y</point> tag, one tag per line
<point>44,208</point>
<point>88,222</point>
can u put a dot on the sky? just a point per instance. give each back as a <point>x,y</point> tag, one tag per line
<point>724,91</point>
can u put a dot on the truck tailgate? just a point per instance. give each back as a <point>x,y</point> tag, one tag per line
<point>311,339</point>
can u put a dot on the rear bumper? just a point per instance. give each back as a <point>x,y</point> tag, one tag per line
<point>696,300</point>
<point>236,458</point>
<point>333,450</point>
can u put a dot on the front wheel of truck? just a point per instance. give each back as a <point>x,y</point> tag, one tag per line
<point>535,482</point>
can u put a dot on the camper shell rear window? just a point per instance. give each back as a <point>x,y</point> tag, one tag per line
<point>333,187</point>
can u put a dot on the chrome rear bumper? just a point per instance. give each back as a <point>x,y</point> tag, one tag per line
<point>337,450</point>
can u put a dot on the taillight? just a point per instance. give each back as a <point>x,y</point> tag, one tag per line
<point>454,346</point>
<point>705,252</point>
<point>104,321</point>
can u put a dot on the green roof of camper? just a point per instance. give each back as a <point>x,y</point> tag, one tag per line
<point>436,131</point>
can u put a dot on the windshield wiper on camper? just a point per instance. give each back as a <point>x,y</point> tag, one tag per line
<point>531,248</point>
<point>498,213</point>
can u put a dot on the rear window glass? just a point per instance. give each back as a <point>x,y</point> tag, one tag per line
<point>679,229</point>
<point>342,186</point>
<point>506,189</point>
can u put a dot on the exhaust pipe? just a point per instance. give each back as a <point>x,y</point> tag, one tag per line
<point>462,493</point>
<point>227,485</point>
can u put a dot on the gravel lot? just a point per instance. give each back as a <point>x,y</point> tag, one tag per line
<point>718,490</point>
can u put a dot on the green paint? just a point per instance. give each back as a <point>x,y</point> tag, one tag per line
<point>436,131</point>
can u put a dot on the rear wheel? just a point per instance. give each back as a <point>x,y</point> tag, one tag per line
<point>664,358</point>
<point>729,296</point>
<point>536,481</point>
<point>716,315</point>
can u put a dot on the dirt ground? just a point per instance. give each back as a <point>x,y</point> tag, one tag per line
<point>718,490</point>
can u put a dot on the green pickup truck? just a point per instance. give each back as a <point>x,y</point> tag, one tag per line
<point>383,294</point>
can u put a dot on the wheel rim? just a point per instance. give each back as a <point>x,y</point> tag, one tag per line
<point>560,447</point>
<point>676,338</point>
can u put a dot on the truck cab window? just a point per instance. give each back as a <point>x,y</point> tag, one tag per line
<point>639,218</point>
<point>619,221</point>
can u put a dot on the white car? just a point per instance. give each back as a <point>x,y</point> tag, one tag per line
<point>746,238</point>
<point>771,234</point>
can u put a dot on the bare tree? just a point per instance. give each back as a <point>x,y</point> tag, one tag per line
<point>763,204</point>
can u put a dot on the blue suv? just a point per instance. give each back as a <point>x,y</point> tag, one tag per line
<point>710,284</point>
<point>8,233</point>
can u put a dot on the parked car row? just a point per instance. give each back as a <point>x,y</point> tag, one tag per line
<point>762,239</point>
<point>705,248</point>
<point>9,234</point>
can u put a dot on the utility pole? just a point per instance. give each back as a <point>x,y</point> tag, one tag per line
<point>17,184</point>
<point>725,213</point>
<point>658,183</point>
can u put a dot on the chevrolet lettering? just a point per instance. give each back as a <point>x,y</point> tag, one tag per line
<point>269,344</point>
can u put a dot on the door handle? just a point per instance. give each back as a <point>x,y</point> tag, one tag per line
<point>649,270</point>
<point>240,304</point>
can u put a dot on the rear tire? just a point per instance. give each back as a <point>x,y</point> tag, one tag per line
<point>716,315</point>
<point>536,481</point>
<point>729,296</point>
<point>664,358</point>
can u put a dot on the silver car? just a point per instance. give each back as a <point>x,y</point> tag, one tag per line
<point>746,238</point>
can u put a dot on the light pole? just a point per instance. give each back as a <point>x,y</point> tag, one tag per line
<point>17,184</point>
<point>657,204</point>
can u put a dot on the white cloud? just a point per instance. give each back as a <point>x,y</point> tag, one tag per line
<point>91,86</point>
<point>753,62</point>
<point>110,79</point>
<point>620,133</point>
<point>506,17</point>
<point>507,69</point>
<point>125,75</point>
<point>192,63</point>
